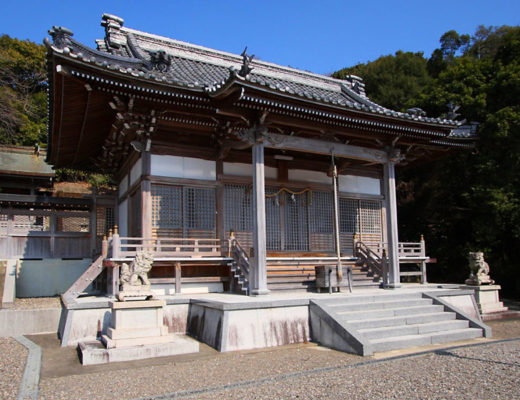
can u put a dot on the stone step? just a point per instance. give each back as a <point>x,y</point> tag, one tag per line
<point>416,329</point>
<point>405,341</point>
<point>370,298</point>
<point>402,320</point>
<point>386,313</point>
<point>380,305</point>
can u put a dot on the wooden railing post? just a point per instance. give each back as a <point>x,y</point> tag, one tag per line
<point>116,244</point>
<point>230,241</point>
<point>355,240</point>
<point>104,247</point>
<point>384,262</point>
<point>423,247</point>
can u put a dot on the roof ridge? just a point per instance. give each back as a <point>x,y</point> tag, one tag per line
<point>261,66</point>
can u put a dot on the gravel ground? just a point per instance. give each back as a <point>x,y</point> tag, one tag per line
<point>489,371</point>
<point>484,372</point>
<point>33,303</point>
<point>12,365</point>
<point>214,370</point>
<point>504,329</point>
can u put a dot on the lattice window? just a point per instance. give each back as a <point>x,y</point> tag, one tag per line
<point>3,224</point>
<point>370,216</point>
<point>199,208</point>
<point>238,213</point>
<point>296,222</point>
<point>134,215</point>
<point>183,211</point>
<point>348,215</point>
<point>73,223</point>
<point>105,220</point>
<point>166,207</point>
<point>30,223</point>
<point>321,222</point>
<point>272,221</point>
<point>321,213</point>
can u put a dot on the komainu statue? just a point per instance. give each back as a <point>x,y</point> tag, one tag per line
<point>134,277</point>
<point>479,270</point>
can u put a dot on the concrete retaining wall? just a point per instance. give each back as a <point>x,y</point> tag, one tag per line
<point>233,327</point>
<point>26,322</point>
<point>49,277</point>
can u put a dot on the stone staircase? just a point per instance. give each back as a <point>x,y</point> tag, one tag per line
<point>302,277</point>
<point>368,324</point>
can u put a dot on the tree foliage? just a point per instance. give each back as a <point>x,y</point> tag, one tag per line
<point>393,80</point>
<point>23,101</point>
<point>471,200</point>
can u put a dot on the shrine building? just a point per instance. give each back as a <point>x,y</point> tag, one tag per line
<point>237,174</point>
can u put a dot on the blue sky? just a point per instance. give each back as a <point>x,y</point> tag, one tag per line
<point>320,36</point>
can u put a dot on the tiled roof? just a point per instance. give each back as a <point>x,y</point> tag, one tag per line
<point>198,68</point>
<point>18,160</point>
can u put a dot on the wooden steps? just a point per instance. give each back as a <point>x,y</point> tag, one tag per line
<point>303,277</point>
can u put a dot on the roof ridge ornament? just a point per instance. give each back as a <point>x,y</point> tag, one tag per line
<point>357,84</point>
<point>60,36</point>
<point>452,111</point>
<point>416,111</point>
<point>160,60</point>
<point>114,38</point>
<point>246,62</point>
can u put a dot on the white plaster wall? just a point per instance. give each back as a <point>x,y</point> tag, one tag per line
<point>123,218</point>
<point>123,185</point>
<point>136,172</point>
<point>304,175</point>
<point>359,184</point>
<point>183,167</point>
<point>241,169</point>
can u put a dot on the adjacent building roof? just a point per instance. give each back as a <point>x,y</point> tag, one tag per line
<point>24,161</point>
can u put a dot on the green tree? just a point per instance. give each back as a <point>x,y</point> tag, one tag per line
<point>394,80</point>
<point>23,100</point>
<point>471,200</point>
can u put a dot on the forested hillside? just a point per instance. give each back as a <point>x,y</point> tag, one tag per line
<point>468,200</point>
<point>23,99</point>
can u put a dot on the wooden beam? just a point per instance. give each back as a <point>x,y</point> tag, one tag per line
<point>294,143</point>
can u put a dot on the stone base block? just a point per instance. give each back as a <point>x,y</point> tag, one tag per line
<point>119,343</point>
<point>487,298</point>
<point>132,333</point>
<point>93,352</point>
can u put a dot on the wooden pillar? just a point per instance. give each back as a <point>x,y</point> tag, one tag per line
<point>53,222</point>
<point>178,278</point>
<point>220,202</point>
<point>9,233</point>
<point>146,197</point>
<point>394,279</point>
<point>258,277</point>
<point>93,224</point>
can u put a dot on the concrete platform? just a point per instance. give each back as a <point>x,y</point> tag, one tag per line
<point>229,322</point>
<point>93,352</point>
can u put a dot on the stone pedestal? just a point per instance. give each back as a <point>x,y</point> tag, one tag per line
<point>137,331</point>
<point>136,323</point>
<point>487,298</point>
